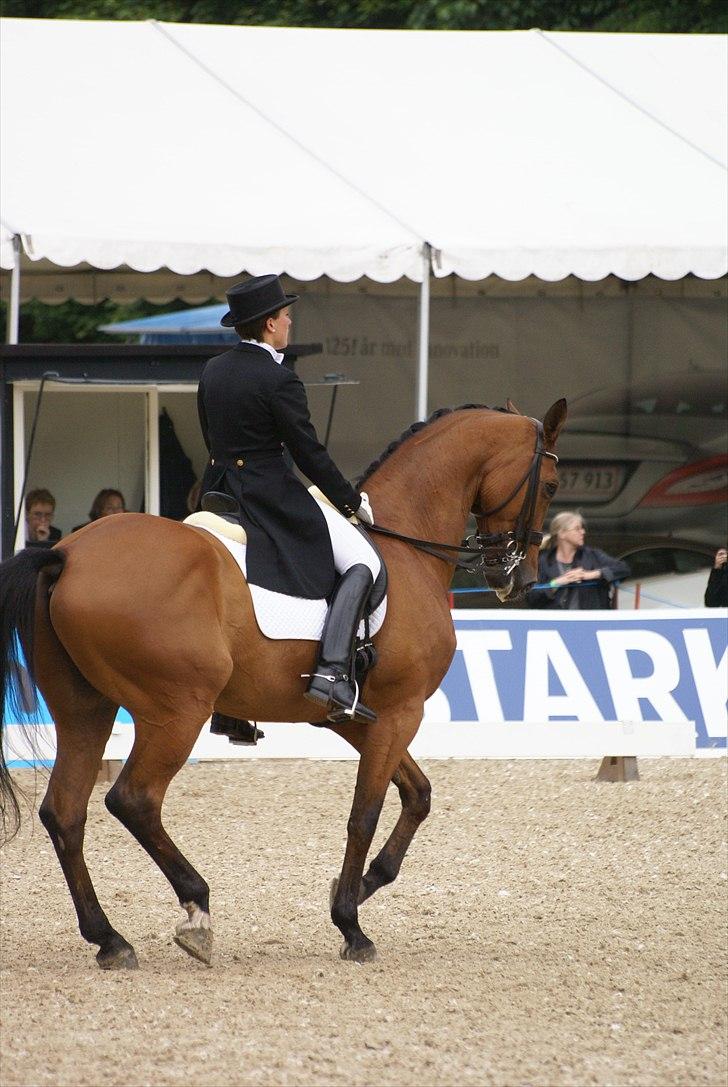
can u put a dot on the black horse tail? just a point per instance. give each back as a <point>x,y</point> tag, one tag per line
<point>18,586</point>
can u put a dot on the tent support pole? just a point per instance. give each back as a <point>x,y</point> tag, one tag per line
<point>424,334</point>
<point>151,465</point>
<point>14,307</point>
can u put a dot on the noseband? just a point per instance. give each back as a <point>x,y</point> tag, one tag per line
<point>492,551</point>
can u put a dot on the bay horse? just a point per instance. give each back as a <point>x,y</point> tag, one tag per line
<point>153,615</point>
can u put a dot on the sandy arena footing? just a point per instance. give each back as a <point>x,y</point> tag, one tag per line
<point>545,930</point>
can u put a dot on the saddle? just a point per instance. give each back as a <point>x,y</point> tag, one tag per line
<point>226,526</point>
<point>221,513</point>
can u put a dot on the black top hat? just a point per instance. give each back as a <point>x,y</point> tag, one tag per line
<point>256,297</point>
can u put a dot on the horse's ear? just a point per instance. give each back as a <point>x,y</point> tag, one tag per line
<point>553,421</point>
<point>511,407</point>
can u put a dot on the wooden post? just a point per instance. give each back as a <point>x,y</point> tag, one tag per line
<point>618,768</point>
<point>109,770</point>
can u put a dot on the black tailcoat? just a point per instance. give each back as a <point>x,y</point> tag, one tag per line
<point>248,407</point>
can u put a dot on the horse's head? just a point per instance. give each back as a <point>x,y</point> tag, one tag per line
<point>513,498</point>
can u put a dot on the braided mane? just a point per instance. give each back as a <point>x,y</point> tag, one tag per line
<point>414,429</point>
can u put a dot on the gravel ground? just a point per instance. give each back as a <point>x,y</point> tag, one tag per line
<point>545,930</point>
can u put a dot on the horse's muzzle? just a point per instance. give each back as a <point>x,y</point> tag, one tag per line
<point>511,586</point>
<point>499,581</point>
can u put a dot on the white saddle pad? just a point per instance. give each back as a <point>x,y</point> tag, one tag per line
<point>278,616</point>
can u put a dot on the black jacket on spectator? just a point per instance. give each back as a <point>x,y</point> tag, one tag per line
<point>53,538</point>
<point>591,594</point>
<point>716,591</point>
<point>248,406</point>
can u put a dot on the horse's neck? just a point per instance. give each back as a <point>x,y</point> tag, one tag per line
<point>427,488</point>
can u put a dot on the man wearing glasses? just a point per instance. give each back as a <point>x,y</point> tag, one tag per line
<point>40,506</point>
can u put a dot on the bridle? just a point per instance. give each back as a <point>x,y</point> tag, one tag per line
<point>488,551</point>
<point>515,543</point>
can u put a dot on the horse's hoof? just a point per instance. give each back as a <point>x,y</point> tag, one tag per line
<point>118,958</point>
<point>197,942</point>
<point>366,953</point>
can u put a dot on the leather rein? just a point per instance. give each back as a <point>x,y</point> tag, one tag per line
<point>487,551</point>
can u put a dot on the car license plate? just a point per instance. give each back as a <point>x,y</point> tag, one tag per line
<point>590,482</point>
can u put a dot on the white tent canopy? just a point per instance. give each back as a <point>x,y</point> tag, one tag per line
<point>341,152</point>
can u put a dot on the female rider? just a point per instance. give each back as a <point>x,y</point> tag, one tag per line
<point>249,407</point>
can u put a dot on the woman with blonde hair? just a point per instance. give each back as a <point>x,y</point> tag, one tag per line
<point>578,577</point>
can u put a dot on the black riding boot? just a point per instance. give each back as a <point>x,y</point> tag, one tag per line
<point>238,731</point>
<point>332,684</point>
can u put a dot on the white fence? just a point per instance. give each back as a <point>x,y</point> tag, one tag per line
<point>532,685</point>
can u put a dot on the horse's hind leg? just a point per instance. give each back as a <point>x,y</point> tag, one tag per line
<point>136,800</point>
<point>80,748</point>
<point>83,719</point>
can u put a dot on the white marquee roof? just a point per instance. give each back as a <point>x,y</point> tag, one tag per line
<point>339,152</point>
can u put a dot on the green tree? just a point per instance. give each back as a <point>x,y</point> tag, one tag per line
<point>74,322</point>
<point>657,16</point>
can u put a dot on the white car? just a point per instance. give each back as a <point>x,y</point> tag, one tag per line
<point>649,461</point>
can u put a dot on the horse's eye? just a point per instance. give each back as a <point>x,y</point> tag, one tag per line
<point>551,489</point>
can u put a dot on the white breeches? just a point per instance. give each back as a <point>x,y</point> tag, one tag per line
<point>347,543</point>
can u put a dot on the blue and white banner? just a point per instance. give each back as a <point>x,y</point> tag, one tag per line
<point>590,666</point>
<point>527,684</point>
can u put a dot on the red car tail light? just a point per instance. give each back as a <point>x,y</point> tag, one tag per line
<point>699,484</point>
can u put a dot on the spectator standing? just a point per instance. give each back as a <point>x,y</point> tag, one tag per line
<point>579,577</point>
<point>716,591</point>
<point>40,507</point>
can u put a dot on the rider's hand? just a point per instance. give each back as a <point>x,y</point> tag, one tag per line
<point>364,513</point>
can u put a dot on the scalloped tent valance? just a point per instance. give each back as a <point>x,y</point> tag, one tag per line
<point>340,152</point>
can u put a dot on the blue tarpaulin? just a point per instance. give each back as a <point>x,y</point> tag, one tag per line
<point>198,325</point>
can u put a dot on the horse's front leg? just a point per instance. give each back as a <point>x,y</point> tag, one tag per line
<point>414,791</point>
<point>382,747</point>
